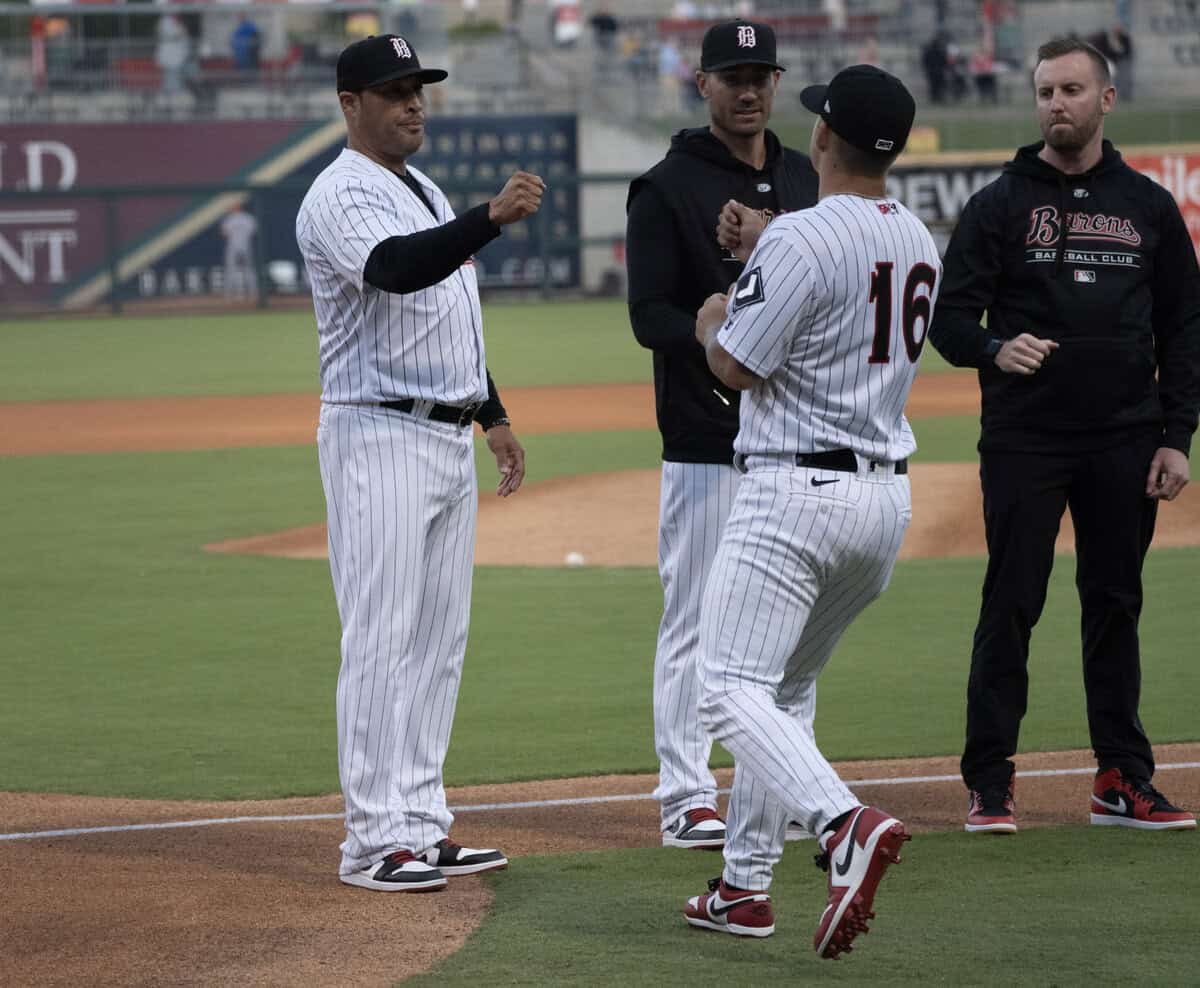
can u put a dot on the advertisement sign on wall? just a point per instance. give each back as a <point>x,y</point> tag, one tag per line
<point>55,244</point>
<point>1179,174</point>
<point>56,248</point>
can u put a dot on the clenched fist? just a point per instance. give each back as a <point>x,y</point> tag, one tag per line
<point>1024,354</point>
<point>520,197</point>
<point>710,317</point>
<point>738,229</point>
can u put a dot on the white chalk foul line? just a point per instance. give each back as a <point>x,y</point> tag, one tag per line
<point>531,804</point>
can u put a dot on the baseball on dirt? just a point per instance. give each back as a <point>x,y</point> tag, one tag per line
<point>574,559</point>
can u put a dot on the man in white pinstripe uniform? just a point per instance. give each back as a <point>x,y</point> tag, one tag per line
<point>402,379</point>
<point>674,263</point>
<point>822,333</point>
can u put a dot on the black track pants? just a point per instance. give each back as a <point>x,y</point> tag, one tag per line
<point>1024,495</point>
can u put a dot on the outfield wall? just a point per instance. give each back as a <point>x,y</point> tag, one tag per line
<point>77,219</point>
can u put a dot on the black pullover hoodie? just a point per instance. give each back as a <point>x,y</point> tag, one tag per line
<point>1119,293</point>
<point>674,263</point>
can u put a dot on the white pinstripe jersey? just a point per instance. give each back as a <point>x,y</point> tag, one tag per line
<point>832,310</point>
<point>376,345</point>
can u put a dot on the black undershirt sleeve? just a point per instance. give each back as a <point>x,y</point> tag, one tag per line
<point>492,410</point>
<point>410,263</point>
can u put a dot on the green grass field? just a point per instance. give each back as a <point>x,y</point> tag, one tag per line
<point>135,664</point>
<point>957,911</point>
<point>275,353</point>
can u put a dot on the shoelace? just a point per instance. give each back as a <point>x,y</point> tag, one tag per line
<point>994,797</point>
<point>714,883</point>
<point>1143,788</point>
<point>822,860</point>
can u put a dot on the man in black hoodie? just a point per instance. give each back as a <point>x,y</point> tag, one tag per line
<point>1090,375</point>
<point>674,264</point>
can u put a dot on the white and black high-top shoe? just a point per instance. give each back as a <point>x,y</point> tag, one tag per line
<point>400,871</point>
<point>454,859</point>
<point>700,828</point>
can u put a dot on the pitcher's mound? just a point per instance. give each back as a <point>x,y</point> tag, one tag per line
<point>611,519</point>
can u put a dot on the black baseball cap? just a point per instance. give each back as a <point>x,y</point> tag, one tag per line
<point>738,43</point>
<point>866,107</point>
<point>379,59</point>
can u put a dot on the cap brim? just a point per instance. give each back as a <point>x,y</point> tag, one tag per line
<point>741,61</point>
<point>813,98</point>
<point>424,75</point>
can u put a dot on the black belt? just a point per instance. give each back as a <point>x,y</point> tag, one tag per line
<point>455,414</point>
<point>843,460</point>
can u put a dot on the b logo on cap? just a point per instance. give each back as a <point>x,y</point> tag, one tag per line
<point>746,37</point>
<point>401,48</point>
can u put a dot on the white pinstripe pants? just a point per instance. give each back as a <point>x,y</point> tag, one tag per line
<point>694,502</point>
<point>797,564</point>
<point>401,498</point>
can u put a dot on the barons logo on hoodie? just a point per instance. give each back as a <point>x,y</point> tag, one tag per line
<point>1044,227</point>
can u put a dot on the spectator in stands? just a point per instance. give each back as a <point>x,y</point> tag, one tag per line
<point>241,274</point>
<point>956,72</point>
<point>604,28</point>
<point>638,54</point>
<point>933,62</point>
<point>605,31</point>
<point>868,52</point>
<point>1117,47</point>
<point>564,23</point>
<point>246,43</point>
<point>670,66</point>
<point>983,72</point>
<point>59,51</point>
<point>172,53</point>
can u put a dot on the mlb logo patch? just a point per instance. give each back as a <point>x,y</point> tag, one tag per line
<point>1081,193</point>
<point>1085,277</point>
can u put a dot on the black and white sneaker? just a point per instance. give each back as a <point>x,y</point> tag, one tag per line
<point>700,828</point>
<point>453,859</point>
<point>400,871</point>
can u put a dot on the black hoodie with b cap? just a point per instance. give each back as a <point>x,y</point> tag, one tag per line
<point>1119,293</point>
<point>674,263</point>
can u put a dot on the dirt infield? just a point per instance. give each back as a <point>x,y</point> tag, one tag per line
<point>611,519</point>
<point>33,427</point>
<point>257,903</point>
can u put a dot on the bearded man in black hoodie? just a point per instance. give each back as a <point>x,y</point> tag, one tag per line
<point>674,263</point>
<point>1090,375</point>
